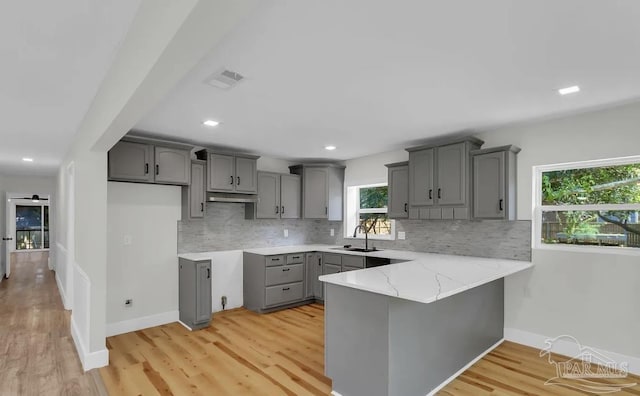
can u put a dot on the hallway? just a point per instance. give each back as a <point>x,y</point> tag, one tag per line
<point>37,354</point>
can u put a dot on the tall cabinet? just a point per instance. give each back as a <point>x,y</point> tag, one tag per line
<point>322,187</point>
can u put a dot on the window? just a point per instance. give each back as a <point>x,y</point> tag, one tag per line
<point>32,227</point>
<point>587,204</point>
<point>367,206</point>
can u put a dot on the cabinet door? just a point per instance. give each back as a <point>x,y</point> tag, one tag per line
<point>290,190</point>
<point>318,289</point>
<point>246,175</point>
<point>130,161</point>
<point>331,269</point>
<point>489,185</point>
<point>421,172</point>
<point>309,271</point>
<point>316,193</point>
<point>452,175</point>
<point>398,192</point>
<point>196,191</point>
<point>172,166</point>
<point>203,292</point>
<point>221,173</point>
<point>268,206</point>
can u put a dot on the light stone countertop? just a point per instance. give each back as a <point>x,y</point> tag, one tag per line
<point>423,277</point>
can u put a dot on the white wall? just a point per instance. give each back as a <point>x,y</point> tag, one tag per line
<point>269,164</point>
<point>146,270</point>
<point>593,297</point>
<point>371,169</point>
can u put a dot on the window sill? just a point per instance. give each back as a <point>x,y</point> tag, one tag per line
<point>623,251</point>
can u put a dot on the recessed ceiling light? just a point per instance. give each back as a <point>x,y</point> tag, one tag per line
<point>210,123</point>
<point>329,148</point>
<point>569,90</point>
<point>25,159</point>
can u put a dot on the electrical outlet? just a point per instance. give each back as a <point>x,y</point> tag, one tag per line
<point>332,232</point>
<point>286,233</point>
<point>128,240</point>
<point>402,235</point>
<point>223,301</point>
<point>128,302</point>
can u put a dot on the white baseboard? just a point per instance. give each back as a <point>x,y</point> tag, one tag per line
<point>89,360</point>
<point>465,368</point>
<point>185,326</point>
<point>63,295</point>
<point>127,326</point>
<point>565,347</point>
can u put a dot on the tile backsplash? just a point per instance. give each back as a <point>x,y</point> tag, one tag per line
<point>225,228</point>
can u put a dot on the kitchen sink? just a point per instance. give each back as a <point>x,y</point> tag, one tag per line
<point>357,249</point>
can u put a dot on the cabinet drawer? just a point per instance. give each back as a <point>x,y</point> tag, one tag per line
<point>274,260</point>
<point>347,268</point>
<point>331,269</point>
<point>330,258</point>
<point>295,258</point>
<point>284,274</point>
<point>277,295</point>
<point>353,261</point>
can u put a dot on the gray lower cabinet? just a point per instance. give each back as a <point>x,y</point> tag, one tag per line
<point>137,161</point>
<point>194,195</point>
<point>273,282</point>
<point>494,183</point>
<point>313,270</point>
<point>398,182</point>
<point>195,293</point>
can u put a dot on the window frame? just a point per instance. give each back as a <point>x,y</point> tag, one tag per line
<point>538,209</point>
<point>353,212</point>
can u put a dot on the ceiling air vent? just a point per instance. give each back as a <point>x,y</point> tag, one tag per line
<point>224,79</point>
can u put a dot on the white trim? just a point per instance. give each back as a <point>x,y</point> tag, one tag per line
<point>89,360</point>
<point>185,325</point>
<point>63,296</point>
<point>334,393</point>
<point>590,163</point>
<point>567,247</point>
<point>590,207</point>
<point>566,348</point>
<point>465,368</point>
<point>127,326</point>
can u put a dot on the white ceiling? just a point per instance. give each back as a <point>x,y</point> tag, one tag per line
<point>371,76</point>
<point>54,55</point>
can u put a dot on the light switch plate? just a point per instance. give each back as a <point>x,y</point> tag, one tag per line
<point>402,235</point>
<point>332,232</point>
<point>286,233</point>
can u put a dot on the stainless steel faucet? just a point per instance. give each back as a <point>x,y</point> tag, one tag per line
<point>366,234</point>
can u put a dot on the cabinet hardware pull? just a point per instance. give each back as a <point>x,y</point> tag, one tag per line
<point>405,208</point>
<point>326,210</point>
<point>238,180</point>
<point>208,273</point>
<point>439,191</point>
<point>282,209</point>
<point>430,194</point>
<point>501,205</point>
<point>146,169</point>
<point>286,269</point>
<point>276,209</point>
<point>157,169</point>
<point>296,257</point>
<point>231,179</point>
<point>285,288</point>
<point>275,259</point>
<point>202,206</point>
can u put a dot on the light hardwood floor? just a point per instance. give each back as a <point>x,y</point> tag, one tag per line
<point>281,353</point>
<point>37,354</point>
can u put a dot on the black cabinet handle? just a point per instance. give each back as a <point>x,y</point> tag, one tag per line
<point>202,206</point>
<point>405,207</point>
<point>275,259</point>
<point>286,269</point>
<point>231,179</point>
<point>500,203</point>
<point>276,209</point>
<point>285,288</point>
<point>430,194</point>
<point>157,169</point>
<point>146,169</point>
<point>238,180</point>
<point>439,193</point>
<point>326,210</point>
<point>282,209</point>
<point>208,273</point>
<point>7,239</point>
<point>295,257</point>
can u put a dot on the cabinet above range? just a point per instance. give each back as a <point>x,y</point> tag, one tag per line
<point>230,172</point>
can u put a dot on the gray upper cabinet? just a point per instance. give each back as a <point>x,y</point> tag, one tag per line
<point>322,188</point>
<point>131,161</point>
<point>172,166</point>
<point>421,171</point>
<point>232,173</point>
<point>268,206</point>
<point>440,179</point>
<point>494,183</point>
<point>398,181</point>
<point>290,199</point>
<point>140,161</point>
<point>194,195</point>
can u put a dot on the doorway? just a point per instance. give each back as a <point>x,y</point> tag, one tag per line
<point>27,228</point>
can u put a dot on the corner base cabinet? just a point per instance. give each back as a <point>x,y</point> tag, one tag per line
<point>195,293</point>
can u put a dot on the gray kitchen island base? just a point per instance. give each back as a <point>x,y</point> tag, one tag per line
<point>377,345</point>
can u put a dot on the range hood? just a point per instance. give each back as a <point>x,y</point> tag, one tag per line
<point>228,197</point>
